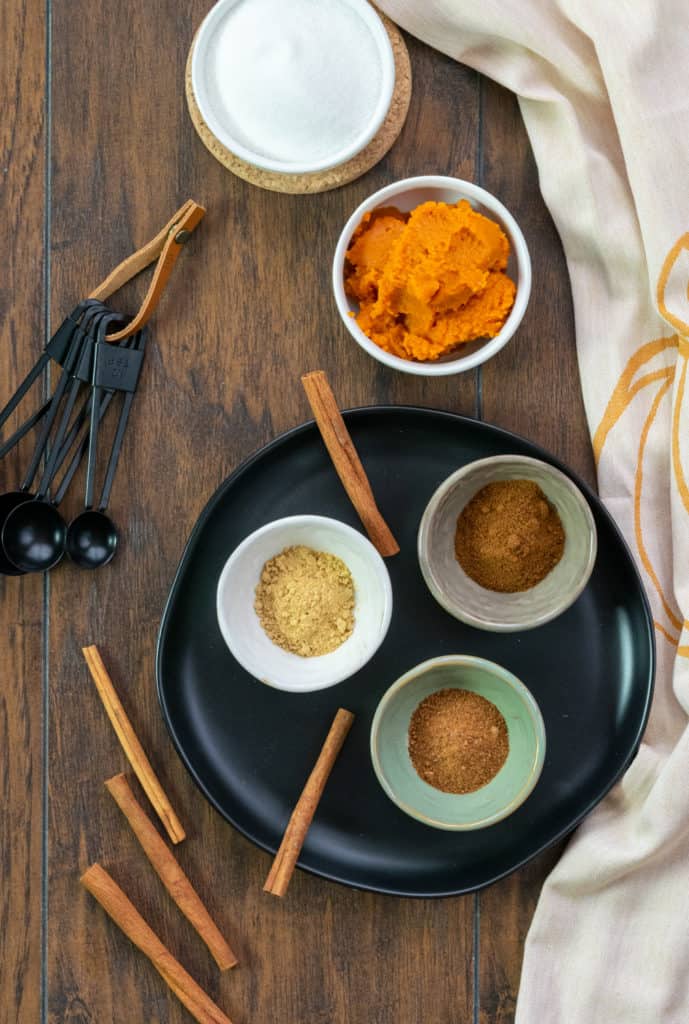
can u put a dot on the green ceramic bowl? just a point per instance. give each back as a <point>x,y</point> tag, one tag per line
<point>504,793</point>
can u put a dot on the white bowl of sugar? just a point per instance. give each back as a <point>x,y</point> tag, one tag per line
<point>293,86</point>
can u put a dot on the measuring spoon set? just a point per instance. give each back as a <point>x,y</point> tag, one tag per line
<point>100,354</point>
<point>33,533</point>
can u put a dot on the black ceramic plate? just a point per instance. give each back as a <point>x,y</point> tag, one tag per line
<point>250,747</point>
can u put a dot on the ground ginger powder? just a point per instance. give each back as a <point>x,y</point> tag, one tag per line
<point>430,280</point>
<point>305,601</point>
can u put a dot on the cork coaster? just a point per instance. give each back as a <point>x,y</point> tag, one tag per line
<point>320,181</point>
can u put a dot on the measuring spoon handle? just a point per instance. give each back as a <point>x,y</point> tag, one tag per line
<point>115,453</point>
<point>24,387</point>
<point>58,449</point>
<point>21,432</point>
<point>56,349</point>
<point>96,396</point>
<point>79,454</point>
<point>123,373</point>
<point>51,414</point>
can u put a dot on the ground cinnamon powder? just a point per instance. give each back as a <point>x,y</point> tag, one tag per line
<point>509,536</point>
<point>457,740</point>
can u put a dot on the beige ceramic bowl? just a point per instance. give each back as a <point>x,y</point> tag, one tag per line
<point>486,609</point>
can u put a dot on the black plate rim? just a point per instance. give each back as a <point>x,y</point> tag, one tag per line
<point>542,453</point>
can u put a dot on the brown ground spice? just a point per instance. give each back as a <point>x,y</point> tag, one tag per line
<point>509,536</point>
<point>457,740</point>
<point>305,601</point>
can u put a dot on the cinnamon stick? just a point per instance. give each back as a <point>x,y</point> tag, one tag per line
<point>125,915</point>
<point>170,873</point>
<point>346,461</point>
<point>299,823</point>
<point>130,744</point>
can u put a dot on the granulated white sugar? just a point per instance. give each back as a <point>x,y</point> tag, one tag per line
<point>296,81</point>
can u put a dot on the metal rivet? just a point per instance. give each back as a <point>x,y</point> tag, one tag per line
<point>182,236</point>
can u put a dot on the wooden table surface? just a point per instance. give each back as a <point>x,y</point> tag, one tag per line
<point>96,153</point>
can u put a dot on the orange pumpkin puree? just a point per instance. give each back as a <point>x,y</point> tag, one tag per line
<point>430,280</point>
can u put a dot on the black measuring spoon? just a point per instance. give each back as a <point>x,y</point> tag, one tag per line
<point>11,500</point>
<point>74,464</point>
<point>34,532</point>
<point>92,536</point>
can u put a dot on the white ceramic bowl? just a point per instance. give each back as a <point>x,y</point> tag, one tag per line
<point>213,51</point>
<point>243,633</point>
<point>486,609</point>
<point>406,195</point>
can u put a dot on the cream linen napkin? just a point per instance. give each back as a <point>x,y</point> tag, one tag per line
<point>604,92</point>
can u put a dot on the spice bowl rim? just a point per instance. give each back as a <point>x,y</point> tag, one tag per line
<point>463,612</point>
<point>373,20</point>
<point>464,190</point>
<point>506,677</point>
<point>348,667</point>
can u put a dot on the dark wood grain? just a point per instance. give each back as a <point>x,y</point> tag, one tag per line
<point>531,387</point>
<point>249,310</point>
<point>22,166</point>
<point>506,909</point>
